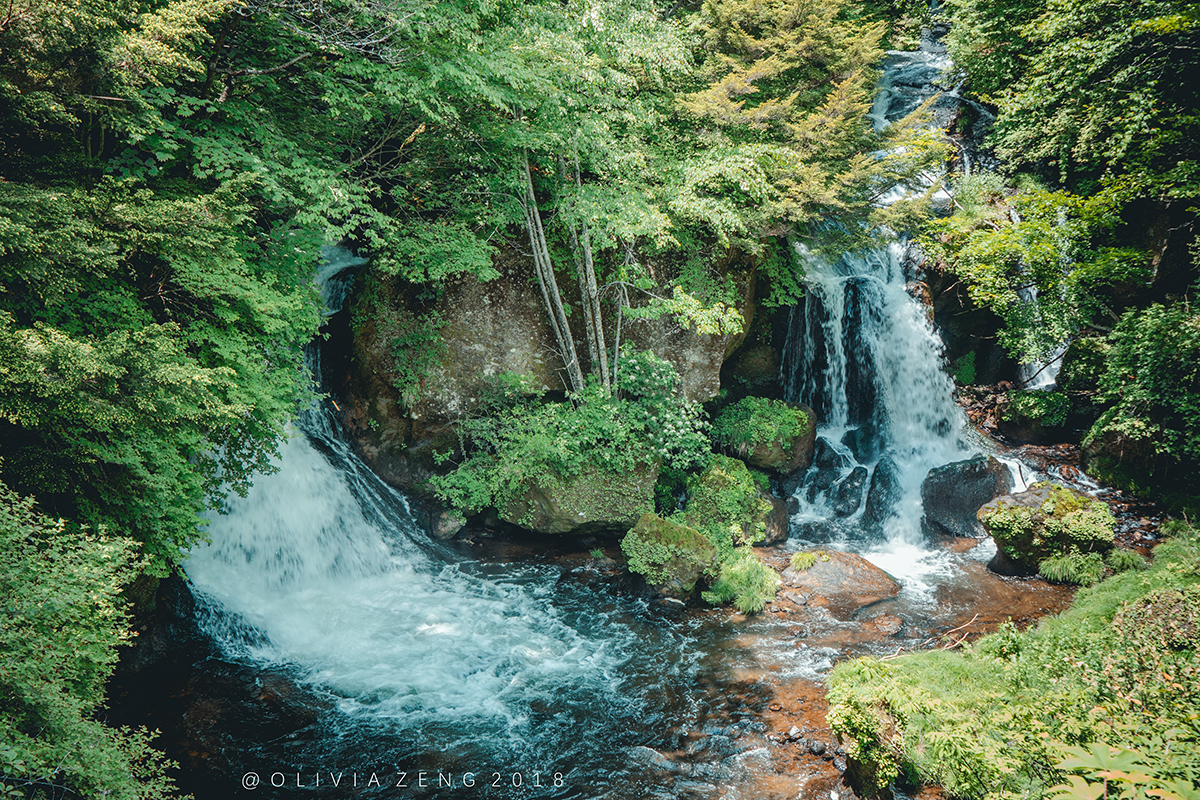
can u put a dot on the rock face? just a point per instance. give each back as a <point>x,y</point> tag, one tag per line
<point>848,494</point>
<point>417,365</point>
<point>591,502</point>
<point>952,495</point>
<point>445,524</point>
<point>776,526</point>
<point>1048,520</point>
<point>844,582</point>
<point>882,494</point>
<point>671,558</point>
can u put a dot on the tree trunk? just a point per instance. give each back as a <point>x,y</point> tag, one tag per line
<point>544,269</point>
<point>591,297</point>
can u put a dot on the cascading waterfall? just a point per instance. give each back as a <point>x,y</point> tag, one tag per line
<point>861,351</point>
<point>431,662</point>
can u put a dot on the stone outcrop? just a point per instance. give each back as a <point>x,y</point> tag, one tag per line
<point>1048,520</point>
<point>418,364</point>
<point>591,502</point>
<point>842,582</point>
<point>952,495</point>
<point>671,558</point>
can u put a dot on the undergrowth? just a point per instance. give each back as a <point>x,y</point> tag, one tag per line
<point>1113,680</point>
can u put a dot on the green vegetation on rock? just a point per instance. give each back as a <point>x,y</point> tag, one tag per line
<point>753,421</point>
<point>1047,521</point>
<point>1007,715</point>
<point>594,456</point>
<point>803,560</point>
<point>746,582</point>
<point>726,505</point>
<point>671,557</point>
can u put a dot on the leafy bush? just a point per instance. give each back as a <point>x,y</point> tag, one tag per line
<point>758,420</point>
<point>1151,383</point>
<point>530,442</point>
<point>61,622</point>
<point>1048,408</point>
<point>991,720</point>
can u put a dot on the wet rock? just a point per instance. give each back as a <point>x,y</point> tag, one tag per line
<point>816,748</point>
<point>848,494</point>
<point>793,733</point>
<point>864,442</point>
<point>671,558</point>
<point>1047,520</point>
<point>445,524</point>
<point>776,523</point>
<point>952,495</point>
<point>882,495</point>
<point>591,501</point>
<point>886,624</point>
<point>843,582</point>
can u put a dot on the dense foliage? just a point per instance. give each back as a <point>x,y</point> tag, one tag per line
<point>1098,124</point>
<point>60,622</point>
<point>1109,689</point>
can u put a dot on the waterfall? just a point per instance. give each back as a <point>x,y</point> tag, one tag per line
<point>862,352</point>
<point>431,661</point>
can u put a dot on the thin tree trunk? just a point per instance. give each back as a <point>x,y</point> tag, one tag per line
<point>591,296</point>
<point>549,285</point>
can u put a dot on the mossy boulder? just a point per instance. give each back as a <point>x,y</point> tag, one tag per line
<point>1047,521</point>
<point>672,558</point>
<point>768,434</point>
<point>728,506</point>
<point>953,494</point>
<point>592,501</point>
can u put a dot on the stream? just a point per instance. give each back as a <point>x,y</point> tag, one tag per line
<point>326,647</point>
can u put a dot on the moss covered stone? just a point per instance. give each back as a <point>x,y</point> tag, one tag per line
<point>728,507</point>
<point>1045,522</point>
<point>671,557</point>
<point>594,500</point>
<point>768,434</point>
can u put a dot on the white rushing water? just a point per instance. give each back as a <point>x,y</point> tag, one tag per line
<point>862,352</point>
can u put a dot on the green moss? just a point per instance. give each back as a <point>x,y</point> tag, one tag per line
<point>758,420</point>
<point>726,505</point>
<point>668,555</point>
<point>1064,521</point>
<point>963,369</point>
<point>988,720</point>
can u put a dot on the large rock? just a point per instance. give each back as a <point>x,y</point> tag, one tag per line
<point>418,365</point>
<point>848,494</point>
<point>844,582</point>
<point>952,494</point>
<point>671,558</point>
<point>1048,520</point>
<point>590,502</point>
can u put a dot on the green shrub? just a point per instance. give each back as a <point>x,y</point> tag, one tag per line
<point>803,560</point>
<point>746,581</point>
<point>758,420</point>
<point>1081,569</point>
<point>726,505</point>
<point>61,621</point>
<point>1048,408</point>
<point>1120,560</point>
